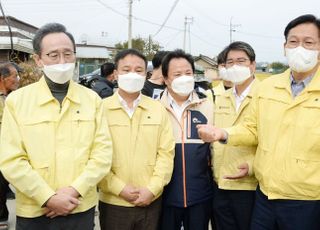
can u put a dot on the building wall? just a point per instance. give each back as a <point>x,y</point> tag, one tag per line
<point>204,65</point>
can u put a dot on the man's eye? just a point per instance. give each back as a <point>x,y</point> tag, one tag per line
<point>53,55</point>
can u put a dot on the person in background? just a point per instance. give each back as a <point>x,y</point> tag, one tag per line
<point>221,61</point>
<point>9,81</point>
<point>55,145</point>
<point>154,86</point>
<point>143,151</point>
<point>187,199</point>
<point>105,85</point>
<point>283,121</point>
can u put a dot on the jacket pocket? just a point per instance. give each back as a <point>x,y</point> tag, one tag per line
<point>303,177</point>
<point>148,138</point>
<point>83,130</point>
<point>38,137</point>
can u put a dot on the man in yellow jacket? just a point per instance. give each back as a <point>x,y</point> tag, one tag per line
<point>55,145</point>
<point>143,151</point>
<point>232,165</point>
<point>283,120</point>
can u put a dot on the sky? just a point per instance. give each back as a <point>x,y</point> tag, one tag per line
<point>105,22</point>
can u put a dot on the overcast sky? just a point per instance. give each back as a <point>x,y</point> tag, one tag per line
<point>260,23</point>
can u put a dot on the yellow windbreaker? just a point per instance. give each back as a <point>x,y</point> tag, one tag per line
<point>45,147</point>
<point>143,149</point>
<point>287,130</point>
<point>227,158</point>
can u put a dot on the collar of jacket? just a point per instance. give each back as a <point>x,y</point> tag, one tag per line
<point>46,95</point>
<point>195,99</point>
<point>284,81</point>
<point>114,102</point>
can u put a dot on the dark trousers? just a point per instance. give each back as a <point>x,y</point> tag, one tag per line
<point>78,221</point>
<point>232,209</point>
<point>4,188</point>
<point>194,217</point>
<point>113,217</point>
<point>285,214</point>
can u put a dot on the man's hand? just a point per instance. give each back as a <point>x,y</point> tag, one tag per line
<point>60,205</point>
<point>243,172</point>
<point>69,190</point>
<point>145,197</point>
<point>129,193</point>
<point>210,133</point>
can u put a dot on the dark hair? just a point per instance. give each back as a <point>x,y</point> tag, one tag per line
<point>106,69</point>
<point>123,53</point>
<point>242,46</point>
<point>221,57</point>
<point>178,53</point>
<point>49,29</point>
<point>307,18</point>
<point>5,68</point>
<point>157,59</point>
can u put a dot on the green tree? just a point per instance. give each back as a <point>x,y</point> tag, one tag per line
<point>278,67</point>
<point>147,46</point>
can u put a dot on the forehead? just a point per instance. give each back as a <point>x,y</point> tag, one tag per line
<point>235,54</point>
<point>56,41</point>
<point>13,70</point>
<point>305,30</point>
<point>178,64</point>
<point>131,61</point>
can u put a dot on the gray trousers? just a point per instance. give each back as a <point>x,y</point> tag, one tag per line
<point>78,221</point>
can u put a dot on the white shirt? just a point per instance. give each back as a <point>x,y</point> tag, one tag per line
<point>178,110</point>
<point>130,111</point>
<point>242,96</point>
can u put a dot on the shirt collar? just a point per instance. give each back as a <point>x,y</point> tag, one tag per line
<point>125,104</point>
<point>305,81</point>
<point>244,93</point>
<point>172,101</point>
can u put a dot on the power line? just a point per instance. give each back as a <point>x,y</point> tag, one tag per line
<point>167,18</point>
<point>112,9</point>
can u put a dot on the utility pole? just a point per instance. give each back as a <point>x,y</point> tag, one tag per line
<point>232,28</point>
<point>130,25</point>
<point>187,22</point>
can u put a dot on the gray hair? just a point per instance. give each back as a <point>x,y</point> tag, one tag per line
<point>49,29</point>
<point>242,46</point>
<point>5,68</point>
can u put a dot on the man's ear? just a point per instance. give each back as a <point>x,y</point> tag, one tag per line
<point>37,60</point>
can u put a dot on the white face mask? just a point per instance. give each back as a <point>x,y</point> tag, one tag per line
<point>302,60</point>
<point>183,85</point>
<point>237,74</point>
<point>222,72</point>
<point>131,82</point>
<point>59,73</point>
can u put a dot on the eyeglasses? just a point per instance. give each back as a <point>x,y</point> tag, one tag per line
<point>238,61</point>
<point>308,43</point>
<point>67,55</point>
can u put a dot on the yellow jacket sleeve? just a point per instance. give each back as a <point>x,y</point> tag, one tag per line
<point>164,162</point>
<point>14,162</point>
<point>112,183</point>
<point>99,162</point>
